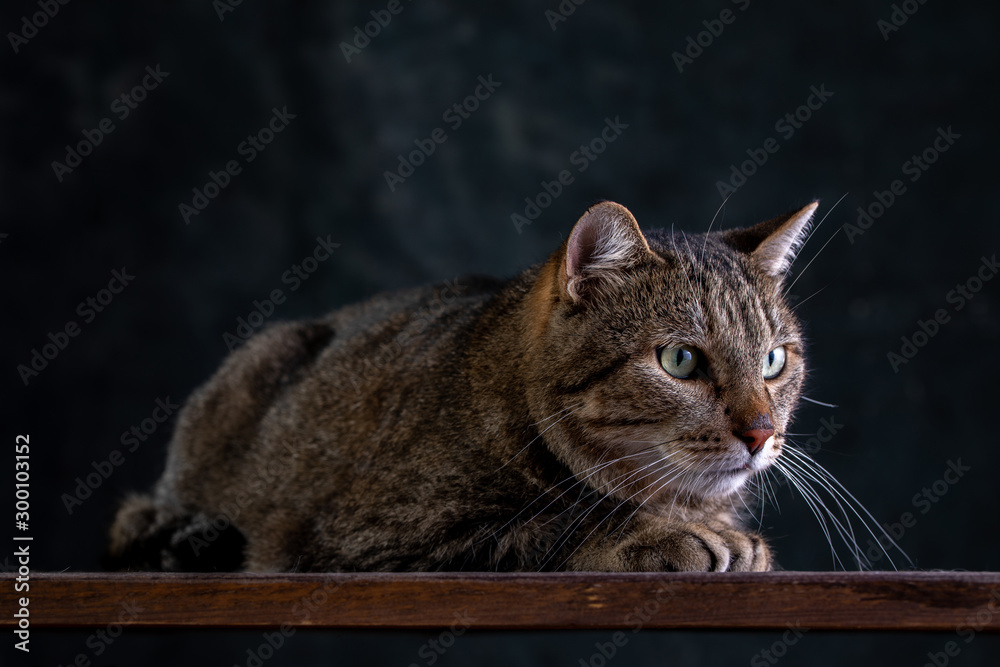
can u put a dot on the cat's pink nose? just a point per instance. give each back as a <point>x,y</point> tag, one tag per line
<point>755,438</point>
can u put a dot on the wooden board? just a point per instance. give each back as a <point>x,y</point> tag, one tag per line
<point>812,600</point>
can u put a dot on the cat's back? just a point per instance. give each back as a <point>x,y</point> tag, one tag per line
<point>335,375</point>
<point>405,317</point>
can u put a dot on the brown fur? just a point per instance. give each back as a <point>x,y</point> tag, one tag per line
<point>488,425</point>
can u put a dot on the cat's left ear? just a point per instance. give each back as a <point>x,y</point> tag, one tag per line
<point>772,245</point>
<point>604,242</point>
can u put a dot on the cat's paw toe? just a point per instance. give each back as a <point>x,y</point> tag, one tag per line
<point>699,548</point>
<point>748,552</point>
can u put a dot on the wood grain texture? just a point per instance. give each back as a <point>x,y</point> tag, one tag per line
<point>813,600</point>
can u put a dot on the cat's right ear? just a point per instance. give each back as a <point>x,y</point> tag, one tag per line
<point>604,242</point>
<point>774,244</point>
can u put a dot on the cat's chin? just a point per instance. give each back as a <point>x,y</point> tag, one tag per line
<point>725,482</point>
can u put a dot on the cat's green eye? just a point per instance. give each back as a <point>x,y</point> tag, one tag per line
<point>774,361</point>
<point>679,361</point>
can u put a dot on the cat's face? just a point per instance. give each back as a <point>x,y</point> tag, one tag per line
<point>668,365</point>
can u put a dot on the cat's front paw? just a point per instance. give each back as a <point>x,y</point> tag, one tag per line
<point>697,547</point>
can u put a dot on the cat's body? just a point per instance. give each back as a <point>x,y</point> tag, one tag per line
<point>487,425</point>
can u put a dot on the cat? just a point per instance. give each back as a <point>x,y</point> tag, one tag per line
<point>602,411</point>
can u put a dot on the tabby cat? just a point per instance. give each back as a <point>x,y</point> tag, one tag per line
<point>601,411</point>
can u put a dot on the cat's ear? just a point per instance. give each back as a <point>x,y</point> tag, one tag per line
<point>605,241</point>
<point>773,244</point>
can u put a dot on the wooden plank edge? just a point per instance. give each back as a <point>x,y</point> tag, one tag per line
<point>914,601</point>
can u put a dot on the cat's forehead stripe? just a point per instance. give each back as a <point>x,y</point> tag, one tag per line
<point>738,307</point>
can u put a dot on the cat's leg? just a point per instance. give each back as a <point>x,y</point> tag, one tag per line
<point>210,466</point>
<point>132,542</point>
<point>152,535</point>
<point>685,547</point>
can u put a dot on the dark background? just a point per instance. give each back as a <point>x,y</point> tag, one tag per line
<point>324,175</point>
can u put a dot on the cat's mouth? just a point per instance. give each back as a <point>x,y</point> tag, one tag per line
<point>735,474</point>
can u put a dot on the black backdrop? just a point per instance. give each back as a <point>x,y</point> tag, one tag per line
<point>699,93</point>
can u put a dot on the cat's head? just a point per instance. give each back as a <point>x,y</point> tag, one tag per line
<point>666,366</point>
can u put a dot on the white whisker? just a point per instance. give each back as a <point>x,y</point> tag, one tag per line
<point>785,293</point>
<point>849,498</point>
<point>593,470</point>
<point>579,405</point>
<point>813,507</point>
<point>809,297</point>
<point>811,400</point>
<point>818,225</point>
<point>846,529</point>
<point>688,464</point>
<point>562,541</point>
